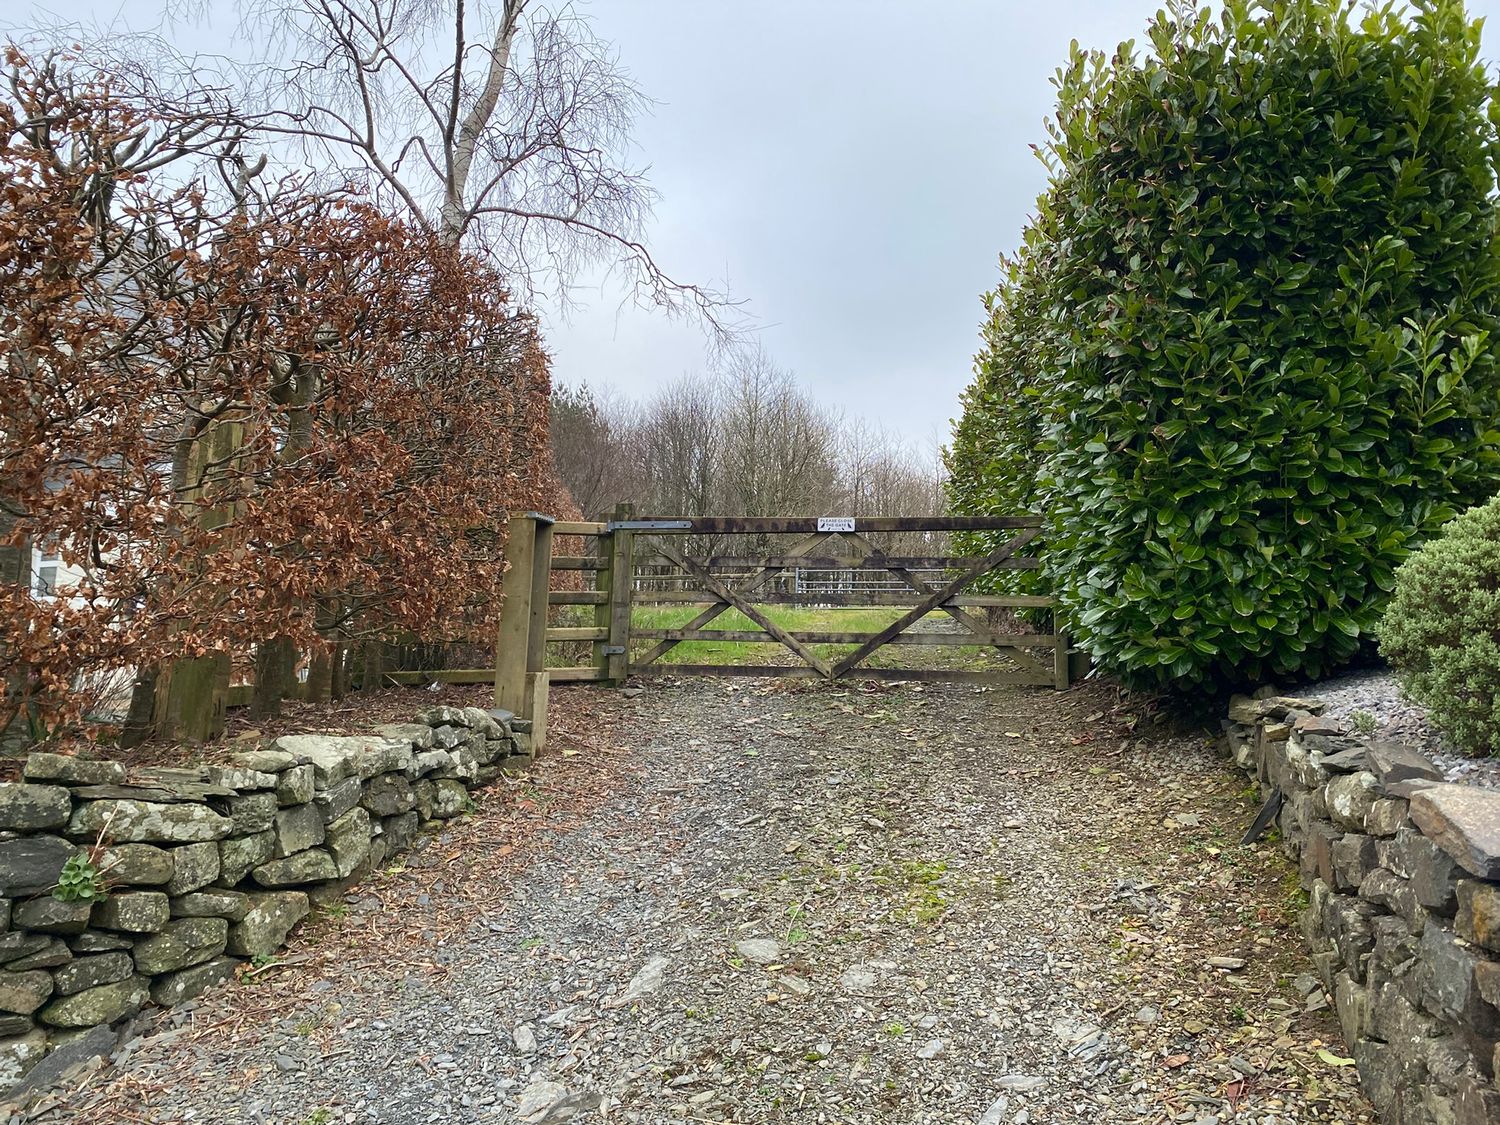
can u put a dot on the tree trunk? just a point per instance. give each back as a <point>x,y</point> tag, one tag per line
<point>140,720</point>
<point>275,663</point>
<point>339,681</point>
<point>320,674</point>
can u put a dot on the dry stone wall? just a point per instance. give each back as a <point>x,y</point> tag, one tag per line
<point>205,867</point>
<point>1402,872</point>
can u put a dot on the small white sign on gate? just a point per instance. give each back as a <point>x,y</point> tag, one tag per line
<point>835,523</point>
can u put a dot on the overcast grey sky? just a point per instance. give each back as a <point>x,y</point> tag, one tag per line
<point>852,169</point>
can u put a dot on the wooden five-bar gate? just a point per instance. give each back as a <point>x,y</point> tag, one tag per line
<point>621,554</point>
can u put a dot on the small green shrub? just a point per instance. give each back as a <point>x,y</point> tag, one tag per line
<point>80,881</point>
<point>1442,629</point>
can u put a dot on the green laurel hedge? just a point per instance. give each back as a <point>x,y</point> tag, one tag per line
<point>1441,631</point>
<point>1245,360</point>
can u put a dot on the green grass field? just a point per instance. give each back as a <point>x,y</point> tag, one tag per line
<point>790,617</point>
<point>795,619</point>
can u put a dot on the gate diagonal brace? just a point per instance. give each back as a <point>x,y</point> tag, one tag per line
<point>661,648</point>
<point>734,598</point>
<point>981,631</point>
<point>933,601</point>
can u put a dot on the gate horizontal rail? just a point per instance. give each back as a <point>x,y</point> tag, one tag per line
<point>716,582</point>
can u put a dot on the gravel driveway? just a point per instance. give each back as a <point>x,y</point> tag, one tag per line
<point>754,902</point>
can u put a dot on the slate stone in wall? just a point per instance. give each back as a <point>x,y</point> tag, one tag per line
<point>400,832</point>
<point>429,762</point>
<point>1394,762</point>
<point>50,956</point>
<point>185,942</point>
<point>11,1024</point>
<point>20,1055</point>
<point>52,916</point>
<point>264,761</point>
<point>348,841</point>
<point>1348,924</point>
<point>139,912</point>
<point>1385,888</point>
<point>390,794</point>
<point>1350,798</point>
<point>449,798</point>
<point>1317,852</point>
<point>1477,1104</point>
<point>326,755</point>
<point>381,755</point>
<point>314,865</point>
<point>254,812</point>
<point>233,905</point>
<point>1354,857</point>
<point>194,866</point>
<point>264,928</point>
<point>447,738</point>
<point>138,865</point>
<point>1387,817</point>
<point>1433,874</point>
<point>296,786</point>
<point>90,972</point>
<point>71,771</point>
<point>419,735</point>
<point>19,943</point>
<point>443,716</point>
<point>482,723</point>
<point>31,864</point>
<point>1465,822</point>
<point>174,988</point>
<point>148,822</point>
<point>240,779</point>
<point>238,856</point>
<point>99,941</point>
<point>1350,1002</point>
<point>297,829</point>
<point>1394,946</point>
<point>1446,982</point>
<point>335,801</point>
<point>24,993</point>
<point>1478,915</point>
<point>30,808</point>
<point>104,1004</point>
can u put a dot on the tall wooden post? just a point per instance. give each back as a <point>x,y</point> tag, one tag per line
<point>534,703</point>
<point>604,545</point>
<point>621,591</point>
<point>1060,665</point>
<point>515,614</point>
<point>521,647</point>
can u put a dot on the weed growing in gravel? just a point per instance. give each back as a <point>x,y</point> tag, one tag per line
<point>531,943</point>
<point>918,880</point>
<point>894,1030</point>
<point>320,1116</point>
<point>1362,722</point>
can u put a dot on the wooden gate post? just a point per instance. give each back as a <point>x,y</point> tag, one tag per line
<point>534,697</point>
<point>1060,665</point>
<point>515,614</point>
<point>621,592</point>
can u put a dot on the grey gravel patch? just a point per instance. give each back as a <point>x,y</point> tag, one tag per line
<point>939,927</point>
<point>1377,694</point>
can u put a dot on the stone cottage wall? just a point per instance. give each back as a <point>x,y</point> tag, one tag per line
<point>206,866</point>
<point>1402,873</point>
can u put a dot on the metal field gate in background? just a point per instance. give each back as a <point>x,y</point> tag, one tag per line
<point>624,562</point>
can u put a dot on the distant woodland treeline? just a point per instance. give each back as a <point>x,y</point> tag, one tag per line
<point>746,440</point>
